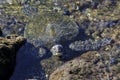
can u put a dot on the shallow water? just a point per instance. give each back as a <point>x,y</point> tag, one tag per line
<point>28,64</point>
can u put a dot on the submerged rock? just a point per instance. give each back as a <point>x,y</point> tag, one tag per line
<point>90,45</point>
<point>8,49</point>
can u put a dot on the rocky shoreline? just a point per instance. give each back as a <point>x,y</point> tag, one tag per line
<point>64,39</point>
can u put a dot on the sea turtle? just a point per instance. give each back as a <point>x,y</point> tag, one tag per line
<point>46,30</point>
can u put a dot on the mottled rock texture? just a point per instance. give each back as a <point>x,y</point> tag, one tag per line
<point>89,66</point>
<point>48,22</point>
<point>90,45</point>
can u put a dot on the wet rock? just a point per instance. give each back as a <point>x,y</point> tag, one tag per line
<point>12,24</point>
<point>8,49</point>
<point>89,45</point>
<point>84,68</point>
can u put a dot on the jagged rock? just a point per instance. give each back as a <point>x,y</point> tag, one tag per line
<point>89,66</point>
<point>8,49</point>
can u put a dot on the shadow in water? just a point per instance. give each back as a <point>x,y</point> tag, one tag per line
<point>28,64</point>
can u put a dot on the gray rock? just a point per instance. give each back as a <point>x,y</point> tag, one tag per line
<point>89,45</point>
